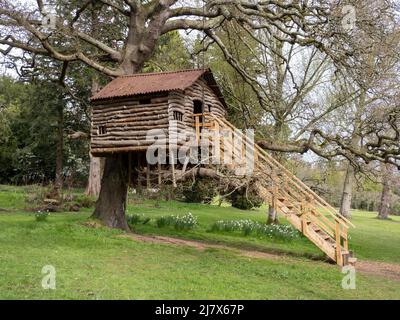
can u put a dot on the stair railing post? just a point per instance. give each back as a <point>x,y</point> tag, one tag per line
<point>285,183</point>
<point>303,217</point>
<point>275,202</point>
<point>345,239</point>
<point>338,245</point>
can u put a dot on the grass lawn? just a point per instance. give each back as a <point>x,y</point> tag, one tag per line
<point>95,263</point>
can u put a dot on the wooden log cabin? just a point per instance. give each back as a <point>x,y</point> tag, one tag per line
<point>128,107</point>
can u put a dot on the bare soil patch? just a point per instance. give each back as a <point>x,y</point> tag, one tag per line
<point>384,269</point>
<point>387,270</point>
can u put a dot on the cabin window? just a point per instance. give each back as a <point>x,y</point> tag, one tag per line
<point>102,130</point>
<point>144,101</point>
<point>197,107</point>
<point>178,115</point>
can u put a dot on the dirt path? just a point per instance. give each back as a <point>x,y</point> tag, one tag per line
<point>387,270</point>
<point>383,269</point>
<point>201,245</point>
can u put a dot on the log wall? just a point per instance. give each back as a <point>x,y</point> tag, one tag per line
<point>127,122</point>
<point>201,91</point>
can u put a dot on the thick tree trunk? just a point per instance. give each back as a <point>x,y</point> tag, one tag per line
<point>111,204</point>
<point>345,204</point>
<point>59,149</point>
<point>384,207</point>
<point>94,181</point>
<point>272,215</point>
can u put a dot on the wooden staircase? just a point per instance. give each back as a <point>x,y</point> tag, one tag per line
<point>302,207</point>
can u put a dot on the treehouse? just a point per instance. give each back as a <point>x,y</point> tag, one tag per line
<point>128,107</point>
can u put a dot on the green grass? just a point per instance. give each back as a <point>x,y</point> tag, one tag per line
<point>95,263</point>
<point>374,239</point>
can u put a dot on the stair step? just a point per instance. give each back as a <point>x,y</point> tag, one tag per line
<point>352,260</point>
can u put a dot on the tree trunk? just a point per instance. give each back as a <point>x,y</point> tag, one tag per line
<point>95,167</point>
<point>272,215</point>
<point>384,207</point>
<point>59,149</point>
<point>94,181</point>
<point>345,204</point>
<point>111,204</point>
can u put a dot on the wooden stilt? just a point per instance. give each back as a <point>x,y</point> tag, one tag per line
<point>139,168</point>
<point>148,176</point>
<point>338,246</point>
<point>197,130</point>
<point>172,158</point>
<point>129,169</point>
<point>159,168</point>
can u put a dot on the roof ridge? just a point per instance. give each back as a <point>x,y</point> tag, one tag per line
<point>144,74</point>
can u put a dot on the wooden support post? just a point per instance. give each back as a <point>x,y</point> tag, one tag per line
<point>148,184</point>
<point>172,159</point>
<point>304,207</point>
<point>338,246</point>
<point>345,240</point>
<point>197,130</point>
<point>304,225</point>
<point>217,143</point>
<point>129,169</point>
<point>243,155</point>
<point>285,183</point>
<point>139,185</point>
<point>275,197</point>
<point>159,168</point>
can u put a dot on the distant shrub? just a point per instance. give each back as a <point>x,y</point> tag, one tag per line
<point>396,209</point>
<point>84,201</point>
<point>41,215</point>
<point>185,222</point>
<point>202,190</point>
<point>247,227</point>
<point>245,199</point>
<point>137,218</point>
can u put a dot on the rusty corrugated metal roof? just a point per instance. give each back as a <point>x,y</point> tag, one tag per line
<point>144,83</point>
